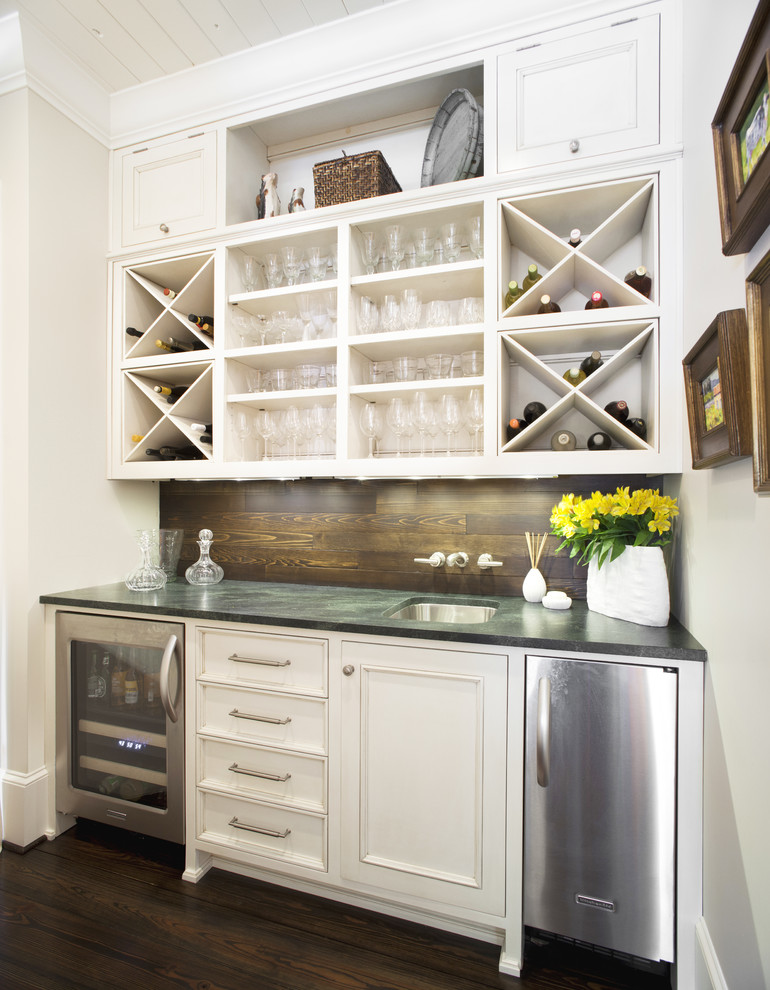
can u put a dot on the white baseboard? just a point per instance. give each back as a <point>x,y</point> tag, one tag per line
<point>709,973</point>
<point>25,807</point>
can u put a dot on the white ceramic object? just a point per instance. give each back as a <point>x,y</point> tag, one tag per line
<point>533,587</point>
<point>557,600</point>
<point>633,587</point>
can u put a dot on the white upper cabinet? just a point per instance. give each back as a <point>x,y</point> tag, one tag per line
<point>168,189</point>
<point>584,94</point>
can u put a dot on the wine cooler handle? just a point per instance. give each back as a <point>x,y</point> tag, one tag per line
<point>543,743</point>
<point>165,667</point>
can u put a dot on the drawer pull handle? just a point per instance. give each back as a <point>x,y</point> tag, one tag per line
<point>262,831</point>
<point>265,663</point>
<point>259,773</point>
<point>261,718</point>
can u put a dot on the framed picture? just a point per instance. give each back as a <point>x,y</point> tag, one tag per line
<point>758,308</point>
<point>740,133</point>
<point>716,377</point>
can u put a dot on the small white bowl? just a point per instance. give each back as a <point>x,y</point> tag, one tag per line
<point>557,600</point>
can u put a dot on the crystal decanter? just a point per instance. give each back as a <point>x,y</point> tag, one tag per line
<point>204,570</point>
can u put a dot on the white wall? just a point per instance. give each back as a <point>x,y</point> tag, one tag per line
<point>63,524</point>
<point>724,536</point>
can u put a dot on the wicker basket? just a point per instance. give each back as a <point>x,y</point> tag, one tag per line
<point>353,177</point>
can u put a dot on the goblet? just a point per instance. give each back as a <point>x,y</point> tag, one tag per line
<point>474,409</point>
<point>291,427</point>
<point>319,417</point>
<point>273,270</point>
<point>423,417</point>
<point>370,251</point>
<point>451,241</point>
<point>250,272</point>
<point>399,420</point>
<point>450,417</point>
<point>319,314</point>
<point>317,263</point>
<point>475,237</point>
<point>424,246</point>
<point>292,263</point>
<point>370,421</point>
<point>395,245</point>
<point>266,428</point>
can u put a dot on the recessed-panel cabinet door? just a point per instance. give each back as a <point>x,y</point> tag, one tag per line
<point>424,737</point>
<point>585,95</point>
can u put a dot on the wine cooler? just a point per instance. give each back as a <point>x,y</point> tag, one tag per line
<point>120,722</point>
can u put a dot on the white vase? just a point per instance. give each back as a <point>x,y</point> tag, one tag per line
<point>633,587</point>
<point>533,587</point>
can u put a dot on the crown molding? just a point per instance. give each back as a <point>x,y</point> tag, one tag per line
<point>29,60</point>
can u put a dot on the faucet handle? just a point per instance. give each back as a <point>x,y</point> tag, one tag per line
<point>460,558</point>
<point>436,559</point>
<point>485,560</point>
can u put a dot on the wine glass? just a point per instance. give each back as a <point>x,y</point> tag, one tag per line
<point>304,309</point>
<point>291,426</point>
<point>399,420</point>
<point>319,308</point>
<point>475,237</point>
<point>266,428</point>
<point>273,270</point>
<point>370,421</point>
<point>390,314</point>
<point>424,246</point>
<point>318,425</point>
<point>242,427</point>
<point>292,263</point>
<point>317,263</point>
<point>451,419</point>
<point>423,417</point>
<point>474,408</point>
<point>250,272</point>
<point>370,251</point>
<point>395,245</point>
<point>451,241</point>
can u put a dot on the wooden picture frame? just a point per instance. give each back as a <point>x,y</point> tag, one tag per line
<point>716,378</point>
<point>758,310</point>
<point>740,126</point>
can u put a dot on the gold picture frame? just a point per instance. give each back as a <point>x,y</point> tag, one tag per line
<point>716,377</point>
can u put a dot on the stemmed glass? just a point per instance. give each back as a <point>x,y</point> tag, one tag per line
<point>399,420</point>
<point>317,262</point>
<point>451,419</point>
<point>318,424</point>
<point>305,310</point>
<point>273,270</point>
<point>451,241</point>
<point>423,417</point>
<point>395,245</point>
<point>475,416</point>
<point>292,263</point>
<point>424,246</point>
<point>242,427</point>
<point>370,421</point>
<point>475,240</point>
<point>370,251</point>
<point>292,425</point>
<point>250,272</point>
<point>319,309</point>
<point>266,428</point>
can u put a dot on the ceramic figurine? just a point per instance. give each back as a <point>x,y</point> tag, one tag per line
<point>271,204</point>
<point>297,200</point>
<point>261,200</point>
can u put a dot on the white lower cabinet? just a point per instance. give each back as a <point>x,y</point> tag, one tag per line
<point>423,763</point>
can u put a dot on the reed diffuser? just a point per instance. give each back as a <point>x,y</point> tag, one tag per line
<point>533,587</point>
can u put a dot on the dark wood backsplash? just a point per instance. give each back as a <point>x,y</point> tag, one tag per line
<point>367,533</point>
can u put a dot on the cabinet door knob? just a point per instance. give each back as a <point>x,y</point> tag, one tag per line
<point>574,145</point>
<point>164,228</point>
<point>348,669</point>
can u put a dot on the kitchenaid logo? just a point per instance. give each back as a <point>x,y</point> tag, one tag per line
<point>595,902</point>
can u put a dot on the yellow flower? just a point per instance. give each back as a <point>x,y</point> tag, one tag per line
<point>621,502</point>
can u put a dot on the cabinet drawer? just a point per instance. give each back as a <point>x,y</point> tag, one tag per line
<point>277,833</point>
<point>282,720</point>
<point>286,663</point>
<point>273,775</point>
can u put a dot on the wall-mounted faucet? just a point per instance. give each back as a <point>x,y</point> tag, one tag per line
<point>460,558</point>
<point>485,560</point>
<point>436,559</point>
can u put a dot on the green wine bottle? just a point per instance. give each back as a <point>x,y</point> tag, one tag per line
<point>532,277</point>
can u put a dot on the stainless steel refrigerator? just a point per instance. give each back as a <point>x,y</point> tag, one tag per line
<point>600,801</point>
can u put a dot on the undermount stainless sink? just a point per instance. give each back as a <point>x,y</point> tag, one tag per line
<point>425,610</point>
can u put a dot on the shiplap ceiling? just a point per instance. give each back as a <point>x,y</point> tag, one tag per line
<point>125,42</point>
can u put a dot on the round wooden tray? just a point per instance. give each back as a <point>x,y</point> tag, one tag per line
<point>455,146</point>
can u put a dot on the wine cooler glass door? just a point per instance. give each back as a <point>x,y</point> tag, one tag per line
<point>123,756</point>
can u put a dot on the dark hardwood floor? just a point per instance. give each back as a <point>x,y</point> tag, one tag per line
<point>102,908</point>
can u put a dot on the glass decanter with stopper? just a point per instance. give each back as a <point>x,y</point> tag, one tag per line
<point>147,576</point>
<point>204,570</point>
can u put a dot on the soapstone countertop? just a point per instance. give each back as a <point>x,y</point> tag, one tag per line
<point>516,623</point>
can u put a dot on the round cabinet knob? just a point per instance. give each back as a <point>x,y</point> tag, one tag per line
<point>574,146</point>
<point>164,228</point>
<point>348,669</point>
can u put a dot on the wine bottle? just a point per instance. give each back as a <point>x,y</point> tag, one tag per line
<point>618,410</point>
<point>546,306</point>
<point>169,293</point>
<point>574,237</point>
<point>186,345</point>
<point>597,301</point>
<point>574,376</point>
<point>513,293</point>
<point>591,363</point>
<point>599,441</point>
<point>201,427</point>
<point>133,332</point>
<point>532,277</point>
<point>168,453</point>
<point>563,440</point>
<point>639,279</point>
<point>171,348</point>
<point>131,688</point>
<point>155,452</point>
<point>96,685</point>
<point>118,683</point>
<point>174,391</point>
<point>638,427</point>
<point>137,437</point>
<point>205,438</point>
<point>202,321</point>
<point>151,690</point>
<point>513,427</point>
<point>532,410</point>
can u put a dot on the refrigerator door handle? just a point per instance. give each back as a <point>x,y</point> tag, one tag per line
<point>165,667</point>
<point>543,744</point>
